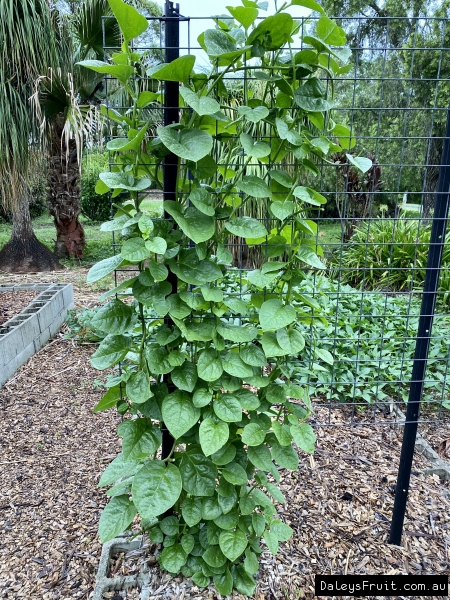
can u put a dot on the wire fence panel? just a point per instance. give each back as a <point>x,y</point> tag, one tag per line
<point>364,296</point>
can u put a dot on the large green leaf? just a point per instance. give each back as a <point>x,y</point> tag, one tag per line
<point>158,360</point>
<point>282,210</point>
<point>254,148</point>
<point>213,435</point>
<point>179,413</point>
<point>234,365</point>
<point>131,22</point>
<point>125,144</point>
<point>236,333</point>
<point>254,186</point>
<point>185,377</point>
<point>116,517</point>
<point>140,438</point>
<point>246,227</point>
<point>310,96</point>
<point>203,105</point>
<point>309,195</point>
<point>253,355</point>
<point>158,245</point>
<point>285,456</point>
<point>209,365</point>
<point>191,511</point>
<point>271,346</point>
<point>253,435</point>
<point>191,144</point>
<point>282,433</point>
<point>117,469</point>
<point>361,163</point>
<point>233,544</point>
<point>204,271</point>
<point>260,456</point>
<point>228,408</point>
<point>273,32</point>
<point>110,399</point>
<point>273,314</point>
<point>179,69</point>
<point>120,72</point>
<point>290,340</point>
<point>112,350</point>
<point>218,43</point>
<point>328,31</point>
<point>134,250</point>
<point>201,397</point>
<point>103,268</point>
<point>224,583</point>
<point>235,474</point>
<point>125,181</point>
<point>304,437</point>
<point>116,317</point>
<point>194,223</point>
<point>254,114</point>
<point>202,201</point>
<point>138,387</point>
<point>308,256</point>
<point>156,488</point>
<point>198,473</point>
<point>312,4</point>
<point>173,558</point>
<point>245,16</point>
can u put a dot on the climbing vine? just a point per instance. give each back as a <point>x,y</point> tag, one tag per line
<point>215,367</point>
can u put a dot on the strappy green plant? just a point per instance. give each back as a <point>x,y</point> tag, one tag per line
<point>214,366</point>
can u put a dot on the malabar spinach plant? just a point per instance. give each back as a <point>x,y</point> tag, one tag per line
<point>213,366</point>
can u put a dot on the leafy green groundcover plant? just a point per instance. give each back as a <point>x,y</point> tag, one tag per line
<point>392,254</point>
<point>192,354</point>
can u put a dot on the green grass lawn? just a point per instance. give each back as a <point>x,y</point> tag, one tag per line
<point>99,243</point>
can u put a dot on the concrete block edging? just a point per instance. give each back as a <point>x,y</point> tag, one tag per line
<point>27,332</point>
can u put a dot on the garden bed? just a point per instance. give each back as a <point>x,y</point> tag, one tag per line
<point>339,503</point>
<point>33,325</point>
<point>12,303</point>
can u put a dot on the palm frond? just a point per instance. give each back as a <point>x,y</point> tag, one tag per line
<point>27,47</point>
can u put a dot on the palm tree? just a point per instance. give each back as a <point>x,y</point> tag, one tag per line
<point>26,49</point>
<point>69,98</point>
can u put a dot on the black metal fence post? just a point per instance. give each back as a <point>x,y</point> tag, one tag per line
<point>433,270</point>
<point>170,168</point>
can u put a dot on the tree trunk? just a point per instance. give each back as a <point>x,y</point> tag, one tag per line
<point>64,200</point>
<point>24,253</point>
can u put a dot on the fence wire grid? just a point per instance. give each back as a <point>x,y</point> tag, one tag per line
<point>374,230</point>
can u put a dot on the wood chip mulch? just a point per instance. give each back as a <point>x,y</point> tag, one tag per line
<point>12,303</point>
<point>339,503</point>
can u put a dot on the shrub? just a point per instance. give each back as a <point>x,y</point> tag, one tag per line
<point>94,206</point>
<point>390,254</point>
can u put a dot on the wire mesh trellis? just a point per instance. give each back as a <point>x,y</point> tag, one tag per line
<point>375,231</point>
<point>375,228</point>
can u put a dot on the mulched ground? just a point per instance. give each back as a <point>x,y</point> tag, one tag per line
<point>53,450</point>
<point>12,303</point>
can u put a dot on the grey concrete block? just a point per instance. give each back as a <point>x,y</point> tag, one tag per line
<point>26,333</point>
<point>11,344</point>
<point>105,583</point>
<point>441,469</point>
<point>30,328</point>
<point>11,367</point>
<point>45,316</point>
<point>67,292</point>
<point>42,339</point>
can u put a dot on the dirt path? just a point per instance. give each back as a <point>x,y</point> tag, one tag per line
<point>53,450</point>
